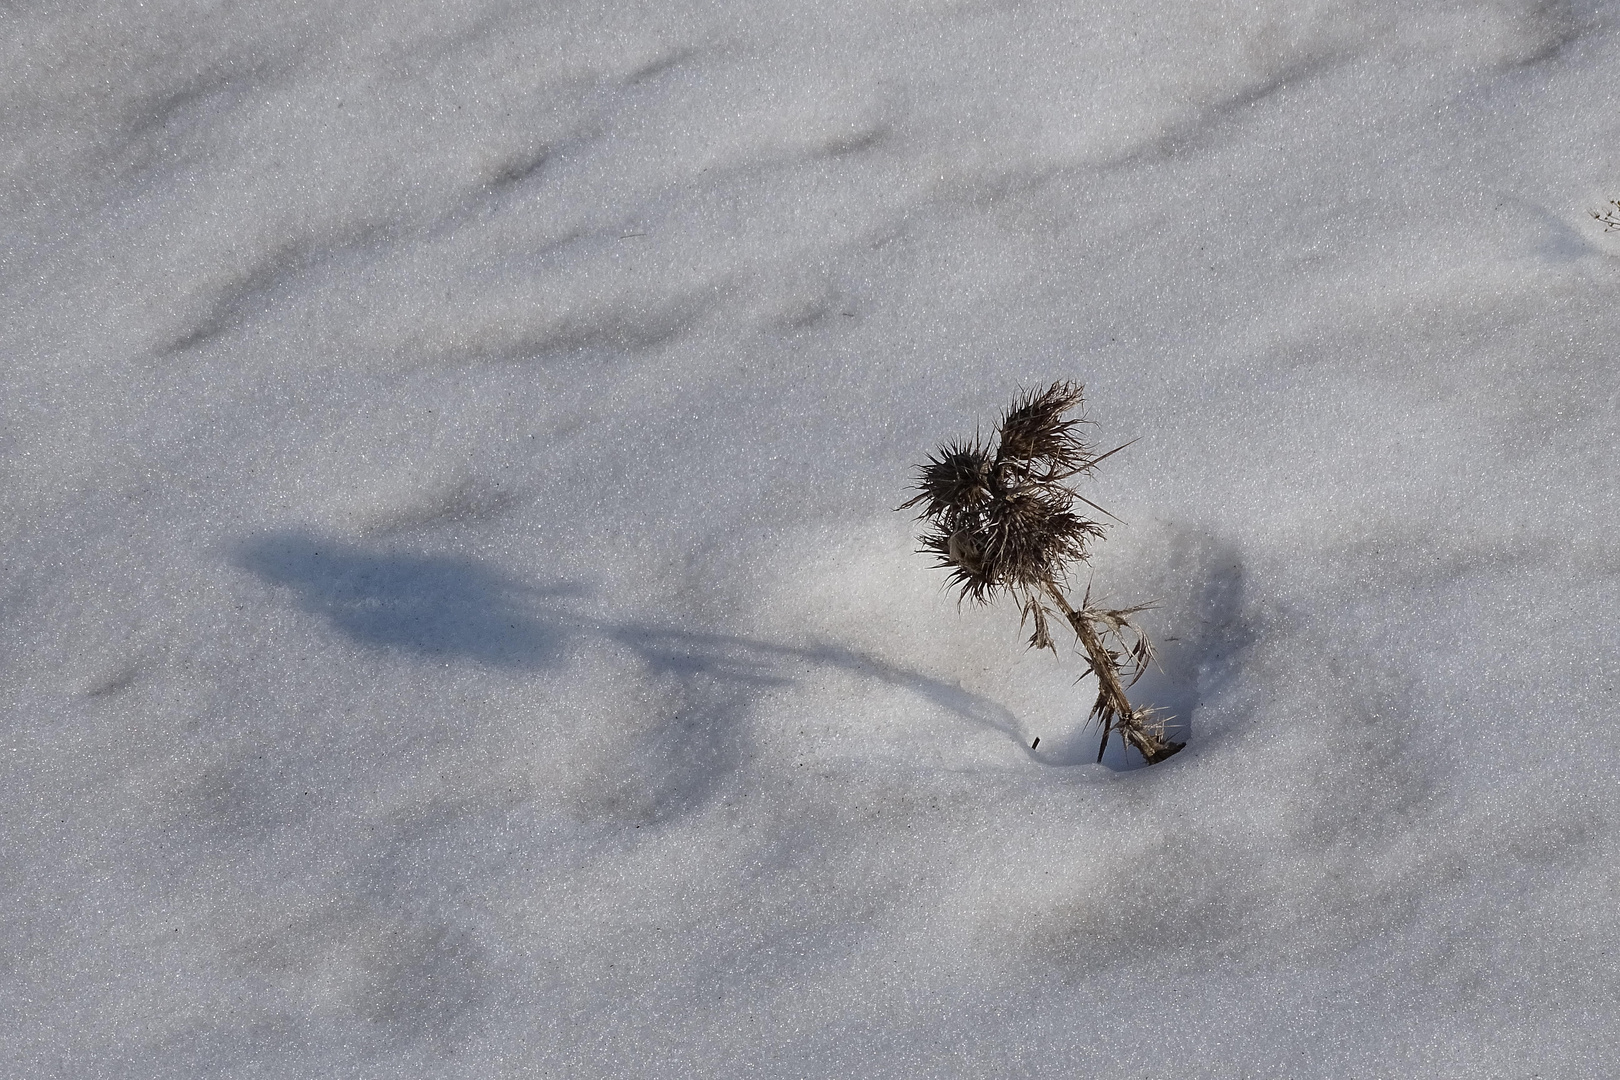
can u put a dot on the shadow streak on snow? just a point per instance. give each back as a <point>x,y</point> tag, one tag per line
<point>1213,631</point>
<point>456,607</point>
<point>432,605</point>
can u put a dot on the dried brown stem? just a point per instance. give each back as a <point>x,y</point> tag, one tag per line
<point>1113,709</point>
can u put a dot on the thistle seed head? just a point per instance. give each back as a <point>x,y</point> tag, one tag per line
<point>958,475</point>
<point>1007,521</point>
<point>1035,433</point>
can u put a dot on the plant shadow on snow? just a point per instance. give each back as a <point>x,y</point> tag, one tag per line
<point>455,607</point>
<point>428,604</point>
<point>1205,634</point>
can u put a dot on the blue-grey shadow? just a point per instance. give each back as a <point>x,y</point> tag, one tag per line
<point>429,604</point>
<point>456,607</point>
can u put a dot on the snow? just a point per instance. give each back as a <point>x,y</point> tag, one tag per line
<point>453,619</point>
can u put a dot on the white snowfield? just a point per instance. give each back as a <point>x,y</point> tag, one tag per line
<point>454,620</point>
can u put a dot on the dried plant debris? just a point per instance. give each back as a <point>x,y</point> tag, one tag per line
<point>1610,217</point>
<point>1002,518</point>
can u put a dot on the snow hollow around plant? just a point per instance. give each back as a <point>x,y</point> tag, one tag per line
<point>453,619</point>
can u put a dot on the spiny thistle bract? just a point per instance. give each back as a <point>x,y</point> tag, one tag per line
<point>1001,519</point>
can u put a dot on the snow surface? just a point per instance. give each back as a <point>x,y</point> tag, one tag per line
<point>453,619</point>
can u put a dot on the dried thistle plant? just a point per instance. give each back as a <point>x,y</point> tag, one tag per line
<point>1610,217</point>
<point>1001,517</point>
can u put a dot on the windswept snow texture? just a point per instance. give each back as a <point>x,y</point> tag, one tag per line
<point>454,621</point>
